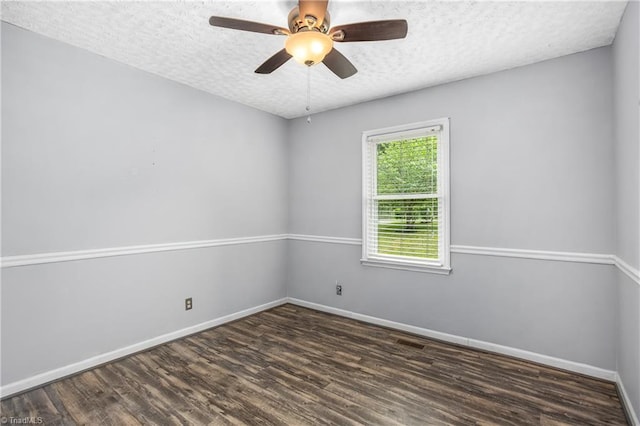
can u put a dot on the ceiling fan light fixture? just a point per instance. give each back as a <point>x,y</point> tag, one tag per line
<point>308,47</point>
<point>310,36</point>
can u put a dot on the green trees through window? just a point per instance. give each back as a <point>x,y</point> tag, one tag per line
<point>407,197</point>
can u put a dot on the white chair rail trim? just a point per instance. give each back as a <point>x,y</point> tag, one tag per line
<point>36,259</point>
<point>66,256</point>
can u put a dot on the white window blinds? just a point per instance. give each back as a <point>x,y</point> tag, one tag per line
<point>405,185</point>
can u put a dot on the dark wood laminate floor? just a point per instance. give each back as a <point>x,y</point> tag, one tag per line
<point>296,366</point>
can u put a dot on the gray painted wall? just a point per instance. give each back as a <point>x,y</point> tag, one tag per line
<point>627,136</point>
<point>628,351</point>
<point>560,309</point>
<point>531,168</point>
<point>526,145</point>
<point>97,154</point>
<point>57,314</point>
<point>627,165</point>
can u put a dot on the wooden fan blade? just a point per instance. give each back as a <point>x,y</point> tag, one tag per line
<point>370,31</point>
<point>239,24</point>
<point>316,8</point>
<point>340,65</point>
<point>274,62</point>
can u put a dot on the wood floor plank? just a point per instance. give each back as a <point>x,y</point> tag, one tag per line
<point>296,366</point>
<point>147,410</point>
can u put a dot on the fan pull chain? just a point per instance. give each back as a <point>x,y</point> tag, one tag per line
<point>308,108</point>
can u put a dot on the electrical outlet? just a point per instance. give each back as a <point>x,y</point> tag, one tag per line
<point>188,304</point>
<point>338,288</point>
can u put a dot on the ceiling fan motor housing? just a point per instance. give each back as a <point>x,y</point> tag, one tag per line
<point>297,22</point>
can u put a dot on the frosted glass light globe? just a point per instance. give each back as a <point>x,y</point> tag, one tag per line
<point>308,47</point>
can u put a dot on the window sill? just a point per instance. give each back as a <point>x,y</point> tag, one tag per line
<point>406,266</point>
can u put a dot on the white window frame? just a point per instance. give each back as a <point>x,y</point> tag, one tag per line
<point>370,139</point>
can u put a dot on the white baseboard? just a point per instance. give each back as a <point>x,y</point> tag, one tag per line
<point>68,370</point>
<point>576,367</point>
<point>626,402</point>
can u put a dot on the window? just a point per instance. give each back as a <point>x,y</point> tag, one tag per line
<point>406,197</point>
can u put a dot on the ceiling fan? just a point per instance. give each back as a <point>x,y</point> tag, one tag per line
<point>310,38</point>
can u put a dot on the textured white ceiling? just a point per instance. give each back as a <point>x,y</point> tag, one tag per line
<point>447,41</point>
